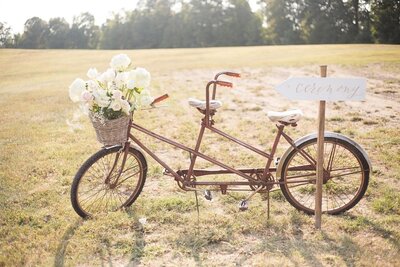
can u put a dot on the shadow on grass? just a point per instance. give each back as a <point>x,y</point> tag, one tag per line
<point>300,251</point>
<point>139,242</point>
<point>62,247</point>
<point>387,234</point>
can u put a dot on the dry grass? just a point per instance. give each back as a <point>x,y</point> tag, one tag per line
<point>40,153</point>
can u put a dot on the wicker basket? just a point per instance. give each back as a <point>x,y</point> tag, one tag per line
<point>111,132</point>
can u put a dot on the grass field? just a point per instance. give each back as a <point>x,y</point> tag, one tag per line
<point>43,141</point>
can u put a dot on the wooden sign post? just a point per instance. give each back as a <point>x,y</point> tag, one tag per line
<point>322,89</point>
<point>320,156</point>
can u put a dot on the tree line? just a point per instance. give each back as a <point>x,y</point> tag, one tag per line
<point>205,23</point>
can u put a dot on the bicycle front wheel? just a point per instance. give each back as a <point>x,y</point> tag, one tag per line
<point>101,186</point>
<point>346,175</point>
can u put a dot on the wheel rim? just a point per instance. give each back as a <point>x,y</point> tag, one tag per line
<point>95,196</point>
<point>343,178</point>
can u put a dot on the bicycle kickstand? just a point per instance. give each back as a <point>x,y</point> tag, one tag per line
<point>244,203</point>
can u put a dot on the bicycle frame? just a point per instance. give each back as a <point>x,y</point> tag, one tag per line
<point>187,178</point>
<point>184,176</point>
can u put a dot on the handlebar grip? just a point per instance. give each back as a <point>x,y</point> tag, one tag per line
<point>159,99</point>
<point>223,83</point>
<point>232,74</point>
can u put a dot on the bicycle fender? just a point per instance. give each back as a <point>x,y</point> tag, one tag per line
<point>133,146</point>
<point>314,135</point>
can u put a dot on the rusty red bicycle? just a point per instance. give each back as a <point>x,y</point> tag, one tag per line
<point>114,177</point>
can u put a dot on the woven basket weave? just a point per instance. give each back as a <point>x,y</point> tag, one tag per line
<point>111,132</point>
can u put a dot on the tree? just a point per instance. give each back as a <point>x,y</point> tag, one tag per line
<point>35,34</point>
<point>84,33</point>
<point>6,39</point>
<point>327,22</point>
<point>386,21</point>
<point>283,21</point>
<point>240,26</point>
<point>58,33</point>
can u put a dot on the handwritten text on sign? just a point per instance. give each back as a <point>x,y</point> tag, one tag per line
<point>313,88</point>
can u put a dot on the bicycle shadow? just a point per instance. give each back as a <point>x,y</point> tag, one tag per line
<point>139,239</point>
<point>106,256</point>
<point>59,259</point>
<point>378,229</point>
<point>295,245</point>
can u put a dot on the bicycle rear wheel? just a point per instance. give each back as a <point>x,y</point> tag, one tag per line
<point>98,188</point>
<point>346,175</point>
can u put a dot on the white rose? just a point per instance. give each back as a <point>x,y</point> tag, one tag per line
<point>92,73</point>
<point>121,79</point>
<point>126,107</point>
<point>142,78</point>
<point>93,86</point>
<point>117,94</point>
<point>86,96</point>
<point>101,98</point>
<point>120,62</point>
<point>131,79</point>
<point>146,100</point>
<point>145,92</point>
<point>116,105</point>
<point>109,75</point>
<point>75,90</point>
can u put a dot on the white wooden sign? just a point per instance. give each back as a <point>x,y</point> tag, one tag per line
<point>330,89</point>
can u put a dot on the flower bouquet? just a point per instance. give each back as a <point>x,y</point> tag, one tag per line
<point>109,98</point>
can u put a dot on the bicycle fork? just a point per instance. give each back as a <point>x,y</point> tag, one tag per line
<point>125,151</point>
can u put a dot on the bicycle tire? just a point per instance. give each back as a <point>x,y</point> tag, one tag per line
<point>90,174</point>
<point>335,189</point>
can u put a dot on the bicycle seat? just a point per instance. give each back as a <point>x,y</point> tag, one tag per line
<point>289,116</point>
<point>200,104</point>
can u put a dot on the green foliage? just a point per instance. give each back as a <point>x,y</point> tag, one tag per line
<point>198,23</point>
<point>386,21</point>
<point>388,203</point>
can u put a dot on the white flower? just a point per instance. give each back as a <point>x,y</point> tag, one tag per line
<point>117,94</point>
<point>86,96</point>
<point>125,106</point>
<point>93,86</point>
<point>101,98</point>
<point>143,221</point>
<point>146,100</point>
<point>116,105</point>
<point>145,92</point>
<point>131,79</point>
<point>120,62</point>
<point>107,76</point>
<point>75,90</point>
<point>121,79</point>
<point>142,78</point>
<point>92,73</point>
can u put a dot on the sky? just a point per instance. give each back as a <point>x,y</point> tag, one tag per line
<point>16,12</point>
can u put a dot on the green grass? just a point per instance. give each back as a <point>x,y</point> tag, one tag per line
<point>42,144</point>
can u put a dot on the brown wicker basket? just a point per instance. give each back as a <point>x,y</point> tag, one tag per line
<point>111,132</point>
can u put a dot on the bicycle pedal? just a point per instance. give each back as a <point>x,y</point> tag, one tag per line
<point>243,205</point>
<point>207,195</point>
<point>167,173</point>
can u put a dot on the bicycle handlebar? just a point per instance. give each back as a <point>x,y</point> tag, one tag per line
<point>223,83</point>
<point>228,73</point>
<point>159,99</point>
<point>232,74</point>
